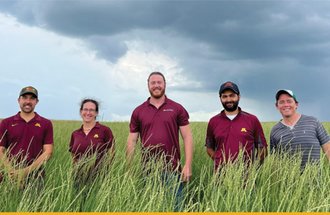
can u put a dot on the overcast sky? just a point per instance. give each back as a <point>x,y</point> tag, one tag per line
<point>72,49</point>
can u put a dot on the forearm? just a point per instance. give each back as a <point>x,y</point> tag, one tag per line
<point>326,149</point>
<point>210,152</point>
<point>262,153</point>
<point>36,164</point>
<point>188,145</point>
<point>131,142</point>
<point>5,163</point>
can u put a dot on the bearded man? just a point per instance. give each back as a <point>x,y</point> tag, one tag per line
<point>158,122</point>
<point>234,131</point>
<point>26,140</point>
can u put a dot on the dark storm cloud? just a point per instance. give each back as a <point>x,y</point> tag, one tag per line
<point>241,29</point>
<point>107,47</point>
<point>82,18</point>
<point>261,45</point>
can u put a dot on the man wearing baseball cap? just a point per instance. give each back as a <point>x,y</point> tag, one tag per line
<point>297,133</point>
<point>233,131</point>
<point>26,140</point>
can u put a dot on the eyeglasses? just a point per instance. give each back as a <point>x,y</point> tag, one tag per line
<point>88,110</point>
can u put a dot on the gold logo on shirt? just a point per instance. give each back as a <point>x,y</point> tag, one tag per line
<point>243,130</point>
<point>37,125</point>
<point>96,136</point>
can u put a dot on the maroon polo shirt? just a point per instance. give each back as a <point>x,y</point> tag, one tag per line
<point>159,128</point>
<point>25,140</point>
<point>227,136</point>
<point>99,140</point>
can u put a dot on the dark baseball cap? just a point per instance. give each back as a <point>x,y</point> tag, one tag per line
<point>29,90</point>
<point>285,91</point>
<point>229,86</point>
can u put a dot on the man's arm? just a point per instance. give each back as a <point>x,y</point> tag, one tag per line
<point>262,153</point>
<point>47,152</point>
<point>188,149</point>
<point>131,142</point>
<point>210,152</point>
<point>5,163</point>
<point>326,149</point>
<point>260,142</point>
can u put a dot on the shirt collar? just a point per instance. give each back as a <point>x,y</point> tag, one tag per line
<point>165,101</point>
<point>97,125</point>
<point>223,114</point>
<point>18,117</point>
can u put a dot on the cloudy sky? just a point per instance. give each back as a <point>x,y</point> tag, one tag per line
<point>104,49</point>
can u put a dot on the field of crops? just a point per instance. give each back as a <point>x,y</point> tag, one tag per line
<point>278,185</point>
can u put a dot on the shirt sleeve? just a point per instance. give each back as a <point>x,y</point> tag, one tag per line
<point>322,135</point>
<point>71,142</point>
<point>183,117</point>
<point>134,125</point>
<point>210,140</point>
<point>108,137</point>
<point>260,140</point>
<point>49,137</point>
<point>3,133</point>
<point>272,141</point>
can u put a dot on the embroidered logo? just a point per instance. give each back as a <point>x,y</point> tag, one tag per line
<point>243,130</point>
<point>37,125</point>
<point>14,124</point>
<point>96,136</point>
<point>166,110</point>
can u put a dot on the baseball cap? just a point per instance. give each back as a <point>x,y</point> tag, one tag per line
<point>229,86</point>
<point>29,90</point>
<point>285,91</point>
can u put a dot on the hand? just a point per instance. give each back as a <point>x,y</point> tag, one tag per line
<point>18,176</point>
<point>186,173</point>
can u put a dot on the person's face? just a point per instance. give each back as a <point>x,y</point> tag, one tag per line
<point>27,103</point>
<point>88,112</point>
<point>156,86</point>
<point>229,100</point>
<point>286,105</point>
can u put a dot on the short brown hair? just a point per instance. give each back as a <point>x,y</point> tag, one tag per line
<point>156,73</point>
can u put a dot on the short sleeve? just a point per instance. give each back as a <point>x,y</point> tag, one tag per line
<point>210,140</point>
<point>322,135</point>
<point>134,125</point>
<point>183,116</point>
<point>3,133</point>
<point>49,137</point>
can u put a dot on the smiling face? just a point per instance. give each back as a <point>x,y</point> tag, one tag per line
<point>229,100</point>
<point>27,103</point>
<point>156,86</point>
<point>286,105</point>
<point>88,112</point>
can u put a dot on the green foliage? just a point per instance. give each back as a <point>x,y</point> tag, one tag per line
<point>277,186</point>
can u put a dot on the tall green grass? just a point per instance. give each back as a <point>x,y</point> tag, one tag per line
<point>278,185</point>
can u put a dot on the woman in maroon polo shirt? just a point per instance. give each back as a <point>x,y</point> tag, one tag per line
<point>91,144</point>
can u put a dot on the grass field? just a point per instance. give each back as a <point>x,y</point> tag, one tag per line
<point>278,185</point>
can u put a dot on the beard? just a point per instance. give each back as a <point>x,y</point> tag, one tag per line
<point>27,108</point>
<point>157,95</point>
<point>230,106</point>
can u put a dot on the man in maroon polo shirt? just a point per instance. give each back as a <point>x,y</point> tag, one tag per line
<point>26,139</point>
<point>158,121</point>
<point>233,130</point>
